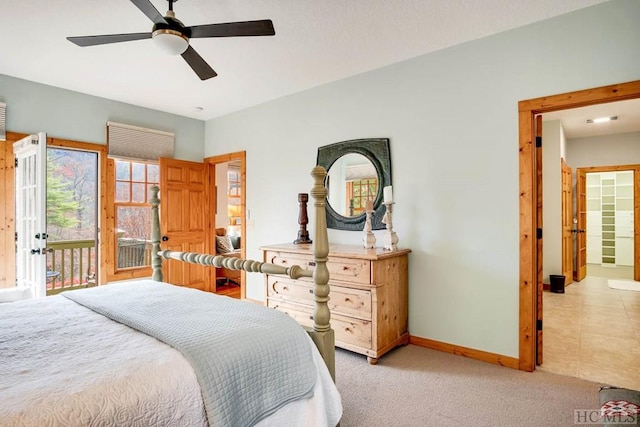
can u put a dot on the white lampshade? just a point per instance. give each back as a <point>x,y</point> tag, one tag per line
<point>170,42</point>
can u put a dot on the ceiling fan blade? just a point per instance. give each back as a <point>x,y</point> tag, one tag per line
<point>111,38</point>
<point>234,29</point>
<point>148,9</point>
<point>195,61</point>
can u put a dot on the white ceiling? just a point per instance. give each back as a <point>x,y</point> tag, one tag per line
<point>316,42</point>
<point>574,121</point>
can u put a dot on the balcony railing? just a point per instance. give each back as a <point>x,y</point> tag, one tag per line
<point>133,252</point>
<point>71,264</point>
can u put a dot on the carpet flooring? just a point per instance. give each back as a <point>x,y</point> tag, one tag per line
<point>415,386</point>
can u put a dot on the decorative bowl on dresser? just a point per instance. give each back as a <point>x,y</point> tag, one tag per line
<point>369,294</point>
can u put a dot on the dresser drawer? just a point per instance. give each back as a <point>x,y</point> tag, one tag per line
<point>349,270</point>
<point>287,260</point>
<point>352,331</point>
<point>340,269</point>
<point>302,314</point>
<point>347,329</point>
<point>342,300</point>
<point>290,290</point>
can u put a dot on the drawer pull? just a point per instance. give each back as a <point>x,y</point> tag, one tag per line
<point>275,289</point>
<point>311,263</point>
<point>347,300</point>
<point>347,329</point>
<point>310,291</point>
<point>345,268</point>
<point>311,317</point>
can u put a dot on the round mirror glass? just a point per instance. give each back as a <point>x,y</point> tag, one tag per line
<point>352,181</point>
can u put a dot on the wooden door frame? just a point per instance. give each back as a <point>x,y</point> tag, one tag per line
<point>210,163</point>
<point>530,275</point>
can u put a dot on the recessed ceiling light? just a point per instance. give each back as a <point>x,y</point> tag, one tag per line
<point>198,109</point>
<point>602,119</point>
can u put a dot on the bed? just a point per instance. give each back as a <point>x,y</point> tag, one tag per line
<point>150,353</point>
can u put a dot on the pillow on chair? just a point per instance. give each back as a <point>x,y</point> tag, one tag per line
<point>223,244</point>
<point>235,241</point>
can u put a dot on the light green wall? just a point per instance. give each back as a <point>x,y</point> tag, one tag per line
<point>452,119</point>
<point>34,107</point>
<point>604,150</point>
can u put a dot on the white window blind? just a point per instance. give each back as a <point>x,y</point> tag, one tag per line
<point>135,142</point>
<point>3,121</point>
<point>364,171</point>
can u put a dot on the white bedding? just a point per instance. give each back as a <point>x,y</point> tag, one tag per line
<point>62,364</point>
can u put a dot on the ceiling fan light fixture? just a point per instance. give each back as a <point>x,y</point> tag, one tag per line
<point>170,41</point>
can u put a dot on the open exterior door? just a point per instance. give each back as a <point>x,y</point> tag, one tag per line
<point>31,216</point>
<point>581,236</point>
<point>184,219</point>
<point>567,224</point>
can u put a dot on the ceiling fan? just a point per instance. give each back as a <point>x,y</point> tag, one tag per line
<point>172,36</point>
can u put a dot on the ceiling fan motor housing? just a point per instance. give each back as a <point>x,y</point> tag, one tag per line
<point>173,23</point>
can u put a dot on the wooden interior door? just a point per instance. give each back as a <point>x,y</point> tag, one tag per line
<point>580,271</point>
<point>184,220</point>
<point>567,224</point>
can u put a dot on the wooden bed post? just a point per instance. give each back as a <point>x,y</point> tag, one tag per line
<point>322,334</point>
<point>156,261</point>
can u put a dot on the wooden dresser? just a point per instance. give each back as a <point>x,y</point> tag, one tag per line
<point>368,297</point>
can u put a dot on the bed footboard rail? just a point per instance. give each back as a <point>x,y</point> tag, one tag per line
<point>250,266</point>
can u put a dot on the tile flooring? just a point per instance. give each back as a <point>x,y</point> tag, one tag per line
<point>592,331</point>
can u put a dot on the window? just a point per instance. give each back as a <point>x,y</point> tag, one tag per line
<point>234,190</point>
<point>133,180</point>
<point>358,192</point>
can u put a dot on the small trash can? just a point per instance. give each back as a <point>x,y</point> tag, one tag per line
<point>557,283</point>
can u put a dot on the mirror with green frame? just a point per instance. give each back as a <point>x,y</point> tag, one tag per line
<point>357,171</point>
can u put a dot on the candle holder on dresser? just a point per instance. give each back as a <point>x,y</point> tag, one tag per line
<point>368,239</point>
<point>303,220</point>
<point>389,237</point>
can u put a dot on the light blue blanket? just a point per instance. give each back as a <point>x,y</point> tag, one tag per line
<point>249,360</point>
